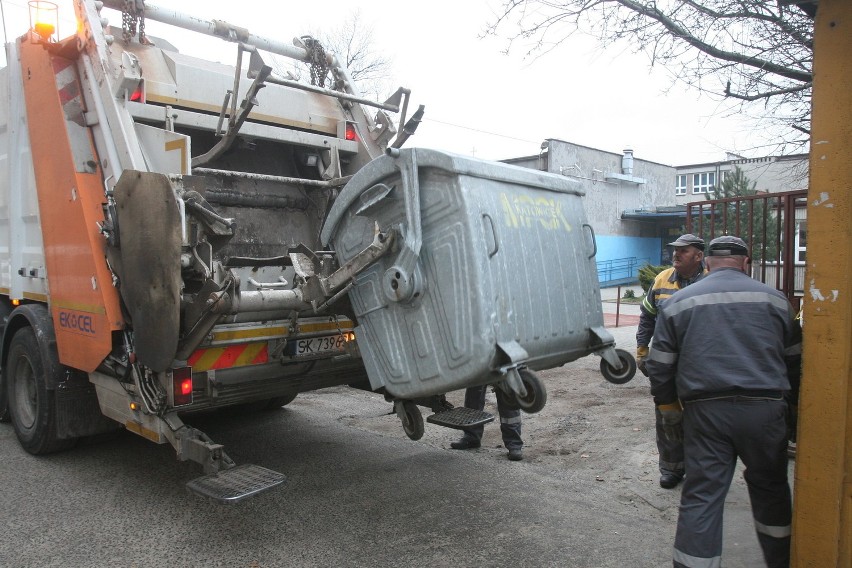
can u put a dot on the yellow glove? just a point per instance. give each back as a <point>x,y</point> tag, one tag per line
<point>641,355</point>
<point>672,420</point>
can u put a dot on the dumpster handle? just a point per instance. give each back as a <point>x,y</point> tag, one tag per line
<point>496,247</point>
<point>594,243</point>
<point>400,282</point>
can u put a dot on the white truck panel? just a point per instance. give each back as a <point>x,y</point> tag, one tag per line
<point>165,152</point>
<point>20,232</point>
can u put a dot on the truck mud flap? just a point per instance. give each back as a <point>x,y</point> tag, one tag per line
<point>78,413</point>
<point>149,224</point>
<point>236,484</point>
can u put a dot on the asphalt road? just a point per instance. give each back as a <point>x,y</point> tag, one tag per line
<point>353,498</point>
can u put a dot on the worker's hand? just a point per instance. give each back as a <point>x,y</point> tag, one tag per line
<point>672,421</point>
<point>641,355</point>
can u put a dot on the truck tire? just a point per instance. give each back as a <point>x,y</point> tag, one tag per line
<point>31,405</point>
<point>4,407</point>
<point>279,401</point>
<point>5,310</point>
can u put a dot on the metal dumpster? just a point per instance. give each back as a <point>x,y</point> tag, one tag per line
<point>493,270</point>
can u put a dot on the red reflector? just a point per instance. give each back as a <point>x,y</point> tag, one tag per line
<point>350,132</point>
<point>137,94</point>
<point>182,386</point>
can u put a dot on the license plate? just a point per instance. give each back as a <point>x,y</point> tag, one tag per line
<point>316,345</point>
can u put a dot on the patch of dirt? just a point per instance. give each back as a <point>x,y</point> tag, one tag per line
<point>589,429</point>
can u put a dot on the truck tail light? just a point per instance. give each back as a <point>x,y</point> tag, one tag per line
<point>138,95</point>
<point>182,386</point>
<point>350,133</point>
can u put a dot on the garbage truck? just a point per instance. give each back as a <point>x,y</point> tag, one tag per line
<point>182,235</point>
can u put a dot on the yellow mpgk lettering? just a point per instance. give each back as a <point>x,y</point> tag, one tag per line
<point>525,211</point>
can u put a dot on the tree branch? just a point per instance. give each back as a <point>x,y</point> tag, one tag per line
<point>766,95</point>
<point>651,11</point>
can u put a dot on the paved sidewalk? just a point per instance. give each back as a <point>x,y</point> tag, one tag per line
<point>617,311</point>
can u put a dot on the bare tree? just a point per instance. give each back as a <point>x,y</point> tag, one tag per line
<point>352,44</point>
<point>756,53</point>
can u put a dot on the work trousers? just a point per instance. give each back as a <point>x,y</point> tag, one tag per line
<point>671,451</point>
<point>716,433</point>
<point>510,419</point>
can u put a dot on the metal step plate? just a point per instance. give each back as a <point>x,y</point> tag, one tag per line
<point>460,418</point>
<point>236,484</point>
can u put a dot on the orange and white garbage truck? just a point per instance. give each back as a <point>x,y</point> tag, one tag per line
<point>178,235</point>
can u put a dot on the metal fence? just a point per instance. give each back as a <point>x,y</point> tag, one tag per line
<point>620,270</point>
<point>768,223</point>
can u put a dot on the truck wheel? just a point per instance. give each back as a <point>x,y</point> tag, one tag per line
<point>31,405</point>
<point>536,396</point>
<point>622,375</point>
<point>5,310</point>
<point>4,407</point>
<point>279,401</point>
<point>412,420</point>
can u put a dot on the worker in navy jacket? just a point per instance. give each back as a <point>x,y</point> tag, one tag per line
<point>726,352</point>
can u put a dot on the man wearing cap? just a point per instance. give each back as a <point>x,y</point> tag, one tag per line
<point>726,351</point>
<point>687,267</point>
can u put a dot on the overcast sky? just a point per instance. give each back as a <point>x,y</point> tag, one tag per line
<point>478,100</point>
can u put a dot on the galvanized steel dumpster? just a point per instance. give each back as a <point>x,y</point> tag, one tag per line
<point>493,269</point>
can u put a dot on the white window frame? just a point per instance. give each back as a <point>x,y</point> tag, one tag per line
<point>680,184</point>
<point>703,181</point>
<point>801,250</point>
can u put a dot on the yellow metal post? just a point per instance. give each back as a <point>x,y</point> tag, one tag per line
<point>822,519</point>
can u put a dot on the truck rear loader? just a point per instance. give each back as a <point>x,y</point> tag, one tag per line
<point>180,235</point>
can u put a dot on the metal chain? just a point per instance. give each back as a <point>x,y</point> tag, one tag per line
<point>143,39</point>
<point>317,61</point>
<point>128,21</point>
<point>133,12</point>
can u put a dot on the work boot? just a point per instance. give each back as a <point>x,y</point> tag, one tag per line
<point>516,454</point>
<point>465,444</point>
<point>670,480</point>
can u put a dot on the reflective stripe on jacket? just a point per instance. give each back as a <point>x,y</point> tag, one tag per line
<point>665,284</point>
<point>724,333</point>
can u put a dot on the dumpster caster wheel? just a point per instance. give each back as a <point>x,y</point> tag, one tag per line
<point>622,375</point>
<point>536,396</point>
<point>412,420</point>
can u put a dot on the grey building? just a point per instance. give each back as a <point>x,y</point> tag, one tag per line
<point>771,174</point>
<point>636,206</point>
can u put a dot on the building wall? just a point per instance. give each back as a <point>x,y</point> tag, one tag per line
<point>635,213</point>
<point>610,189</point>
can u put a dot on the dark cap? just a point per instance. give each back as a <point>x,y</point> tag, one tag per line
<point>688,240</point>
<point>728,246</point>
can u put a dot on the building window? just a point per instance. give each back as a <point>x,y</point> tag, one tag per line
<point>680,187</point>
<point>703,182</point>
<point>801,241</point>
